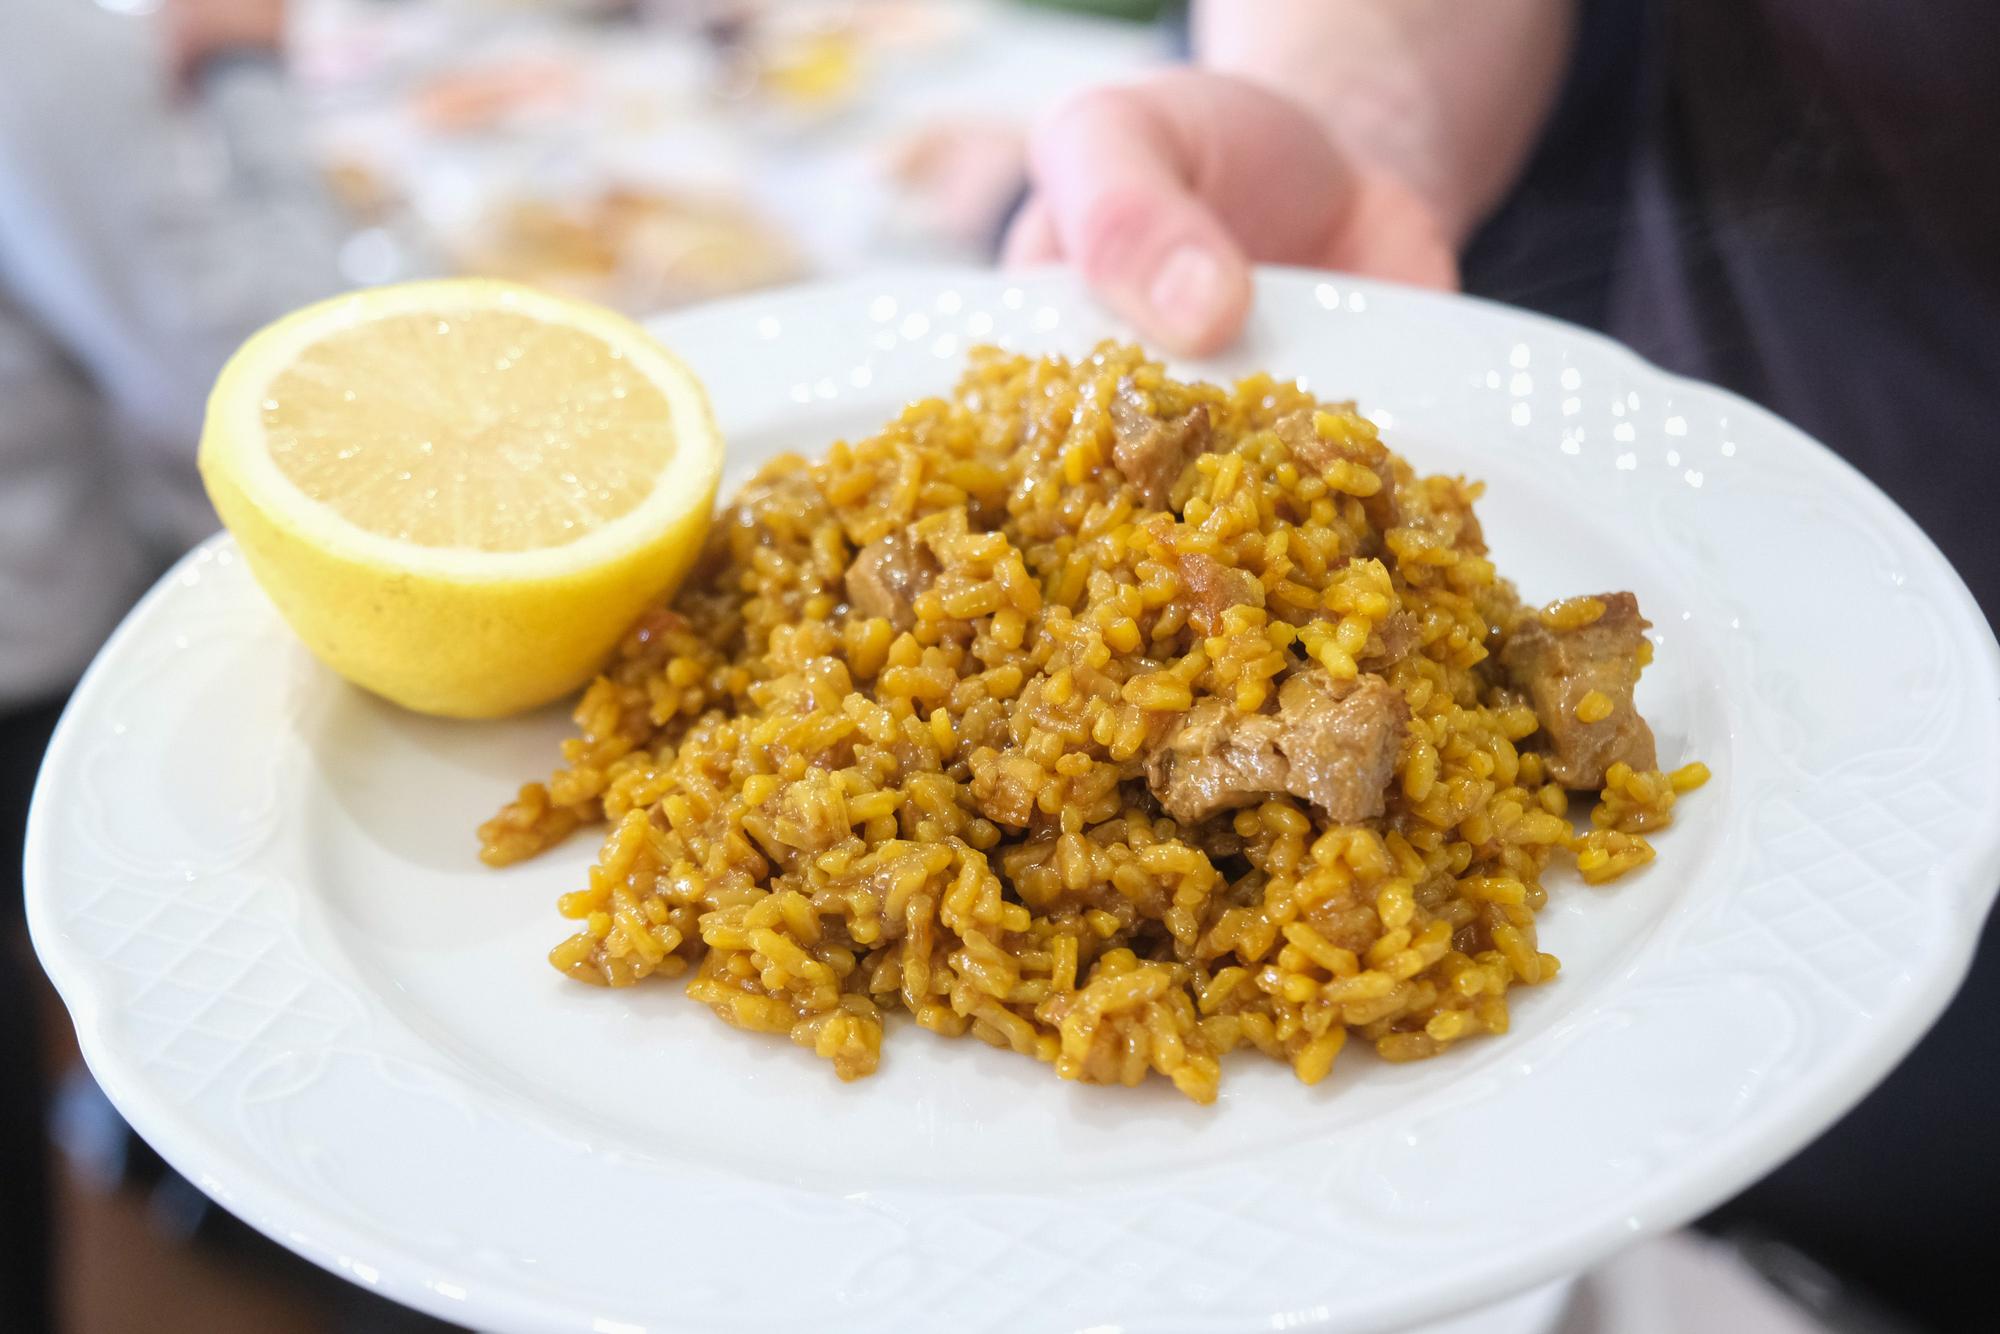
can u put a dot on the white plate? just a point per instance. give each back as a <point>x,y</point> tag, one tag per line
<point>256,889</point>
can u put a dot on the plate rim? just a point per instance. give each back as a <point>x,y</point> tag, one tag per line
<point>299,1223</point>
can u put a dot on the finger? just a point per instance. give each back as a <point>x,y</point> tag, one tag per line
<point>1264,165</point>
<point>1285,192</point>
<point>1391,232</point>
<point>1112,179</point>
<point>1032,237</point>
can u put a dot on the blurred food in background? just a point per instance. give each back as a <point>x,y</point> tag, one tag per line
<point>473,100</point>
<point>649,153</point>
<point>631,248</point>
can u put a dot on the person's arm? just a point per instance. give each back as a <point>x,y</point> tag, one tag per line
<point>69,563</point>
<point>1365,135</point>
<point>147,250</point>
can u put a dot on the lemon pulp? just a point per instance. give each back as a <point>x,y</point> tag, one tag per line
<point>460,493</point>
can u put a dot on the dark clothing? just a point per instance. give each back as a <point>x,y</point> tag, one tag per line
<point>1816,224</point>
<point>1800,200</point>
<point>25,1259</point>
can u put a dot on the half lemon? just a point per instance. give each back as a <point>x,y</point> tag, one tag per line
<point>461,493</point>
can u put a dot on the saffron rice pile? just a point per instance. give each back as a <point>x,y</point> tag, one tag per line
<point>1118,721</point>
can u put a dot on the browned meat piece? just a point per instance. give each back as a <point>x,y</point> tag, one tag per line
<point>1213,588</point>
<point>1341,739</point>
<point>1152,453</point>
<point>1332,743</point>
<point>1399,636</point>
<point>1313,451</point>
<point>1005,784</point>
<point>797,816</point>
<point>1560,668</point>
<point>1216,759</point>
<point>1317,453</point>
<point>887,575</point>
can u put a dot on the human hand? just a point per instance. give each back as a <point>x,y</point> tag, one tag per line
<point>198,30</point>
<point>1163,193</point>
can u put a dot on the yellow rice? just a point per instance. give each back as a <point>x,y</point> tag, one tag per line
<point>818,819</point>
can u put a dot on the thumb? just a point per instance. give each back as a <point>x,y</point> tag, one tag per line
<point>1122,208</point>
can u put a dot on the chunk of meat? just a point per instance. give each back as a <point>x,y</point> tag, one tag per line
<point>1149,452</point>
<point>1560,668</point>
<point>1332,743</point>
<point>1399,635</point>
<point>1216,759</point>
<point>1341,739</point>
<point>1213,588</point>
<point>1005,784</point>
<point>1319,453</point>
<point>807,814</point>
<point>886,576</point>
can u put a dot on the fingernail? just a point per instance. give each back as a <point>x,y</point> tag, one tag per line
<point>1185,292</point>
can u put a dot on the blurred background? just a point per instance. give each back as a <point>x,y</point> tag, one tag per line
<point>647,153</point>
<point>173,173</point>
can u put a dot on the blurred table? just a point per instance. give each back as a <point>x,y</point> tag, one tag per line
<point>653,152</point>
